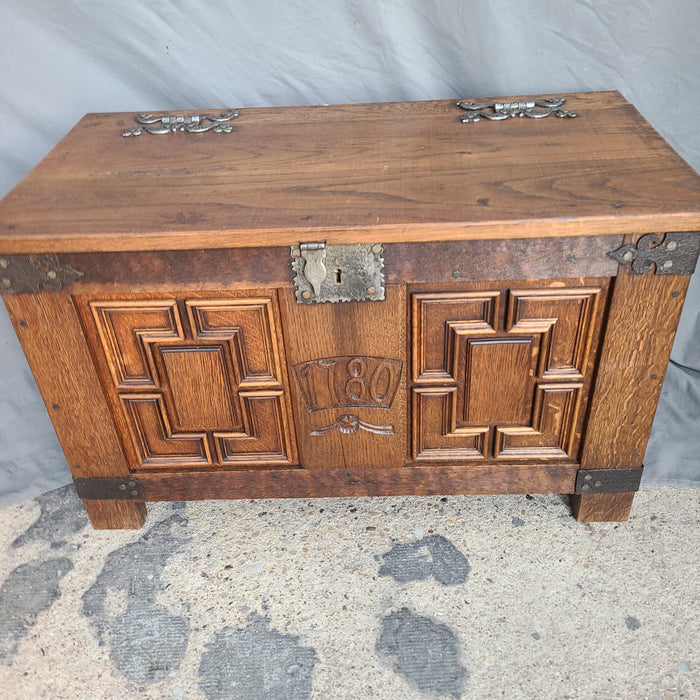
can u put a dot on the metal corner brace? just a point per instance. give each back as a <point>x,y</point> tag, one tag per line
<point>333,273</point>
<point>109,488</point>
<point>24,274</point>
<point>676,254</point>
<point>608,480</point>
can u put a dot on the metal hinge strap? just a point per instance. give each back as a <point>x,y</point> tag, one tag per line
<point>608,480</point>
<point>108,488</point>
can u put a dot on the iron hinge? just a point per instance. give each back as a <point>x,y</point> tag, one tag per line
<point>676,254</point>
<point>25,274</point>
<point>338,272</point>
<point>608,480</point>
<point>106,488</point>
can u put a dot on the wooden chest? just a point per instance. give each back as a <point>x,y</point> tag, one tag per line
<point>353,300</point>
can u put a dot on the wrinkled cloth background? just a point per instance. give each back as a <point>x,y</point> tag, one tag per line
<point>61,60</point>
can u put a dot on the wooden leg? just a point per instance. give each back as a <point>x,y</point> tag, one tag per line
<point>116,515</point>
<point>600,507</point>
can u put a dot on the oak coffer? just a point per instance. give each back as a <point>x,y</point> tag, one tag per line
<point>406,298</point>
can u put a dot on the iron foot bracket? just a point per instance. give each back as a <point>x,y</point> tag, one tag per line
<point>608,480</point>
<point>98,489</point>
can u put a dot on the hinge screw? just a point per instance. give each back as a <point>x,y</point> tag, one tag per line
<point>667,264</point>
<point>588,477</point>
<point>122,487</point>
<point>376,248</point>
<point>371,290</point>
<point>585,487</point>
<point>628,256</point>
<point>3,263</point>
<point>306,294</point>
<point>5,282</point>
<point>51,274</point>
<point>671,245</point>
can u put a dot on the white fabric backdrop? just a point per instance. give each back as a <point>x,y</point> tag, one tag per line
<point>59,60</point>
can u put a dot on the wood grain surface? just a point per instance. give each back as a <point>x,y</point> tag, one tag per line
<point>49,330</point>
<point>360,481</point>
<point>393,172</point>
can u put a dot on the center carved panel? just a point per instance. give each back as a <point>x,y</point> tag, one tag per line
<point>501,373</point>
<point>196,382</point>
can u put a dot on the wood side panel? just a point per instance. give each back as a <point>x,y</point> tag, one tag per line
<point>52,339</point>
<point>642,321</point>
<point>348,386</point>
<point>360,481</point>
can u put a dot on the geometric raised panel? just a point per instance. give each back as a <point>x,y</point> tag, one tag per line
<point>265,439</point>
<point>504,385</point>
<point>198,380</point>
<point>447,316</point>
<point>202,387</point>
<point>154,439</point>
<point>127,328</point>
<point>246,323</point>
<point>563,317</point>
<point>552,431</point>
<point>498,380</point>
<point>436,437</point>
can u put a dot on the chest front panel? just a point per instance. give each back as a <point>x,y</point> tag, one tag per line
<point>470,373</point>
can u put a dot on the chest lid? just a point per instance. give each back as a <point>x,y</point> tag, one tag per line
<point>356,173</point>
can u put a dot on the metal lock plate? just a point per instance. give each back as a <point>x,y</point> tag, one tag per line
<point>338,272</point>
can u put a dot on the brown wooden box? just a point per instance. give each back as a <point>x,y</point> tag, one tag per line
<point>517,284</point>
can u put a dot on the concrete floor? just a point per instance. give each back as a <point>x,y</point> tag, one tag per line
<point>457,597</point>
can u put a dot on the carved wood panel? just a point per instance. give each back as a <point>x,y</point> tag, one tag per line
<point>348,375</point>
<point>503,372</point>
<point>195,382</point>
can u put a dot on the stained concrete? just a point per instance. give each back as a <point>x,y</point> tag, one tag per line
<point>459,597</point>
<point>424,652</point>
<point>27,591</point>
<point>433,555</point>
<point>256,662</point>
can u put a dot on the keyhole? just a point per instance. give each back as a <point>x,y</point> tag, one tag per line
<point>338,274</point>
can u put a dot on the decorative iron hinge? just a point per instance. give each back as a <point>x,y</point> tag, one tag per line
<point>192,123</point>
<point>608,480</point>
<point>495,111</point>
<point>107,488</point>
<point>675,255</point>
<point>25,274</point>
<point>338,272</point>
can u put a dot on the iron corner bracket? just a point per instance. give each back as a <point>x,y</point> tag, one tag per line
<point>25,274</point>
<point>608,480</point>
<point>107,488</point>
<point>674,254</point>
